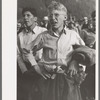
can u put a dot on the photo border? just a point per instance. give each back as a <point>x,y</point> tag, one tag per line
<point>97,53</point>
<point>0,50</point>
<point>9,46</point>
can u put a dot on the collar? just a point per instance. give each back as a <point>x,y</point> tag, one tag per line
<point>34,31</point>
<point>53,33</point>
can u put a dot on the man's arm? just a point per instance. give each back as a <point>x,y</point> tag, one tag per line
<point>21,63</point>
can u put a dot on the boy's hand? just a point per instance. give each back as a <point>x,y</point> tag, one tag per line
<point>25,51</point>
<point>60,70</point>
<point>42,72</point>
<point>73,68</point>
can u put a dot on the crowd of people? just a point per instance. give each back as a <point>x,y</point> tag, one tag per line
<point>55,57</point>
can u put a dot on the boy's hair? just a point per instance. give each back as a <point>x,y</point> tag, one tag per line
<point>32,10</point>
<point>56,6</point>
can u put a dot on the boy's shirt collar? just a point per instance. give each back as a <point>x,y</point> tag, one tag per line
<point>34,30</point>
<point>55,34</point>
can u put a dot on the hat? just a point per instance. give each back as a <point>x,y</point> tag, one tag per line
<point>84,55</point>
<point>45,18</point>
<point>85,18</point>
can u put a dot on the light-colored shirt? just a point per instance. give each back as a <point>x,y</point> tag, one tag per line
<point>56,50</point>
<point>25,38</point>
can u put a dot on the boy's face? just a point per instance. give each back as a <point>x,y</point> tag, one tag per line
<point>57,18</point>
<point>29,18</point>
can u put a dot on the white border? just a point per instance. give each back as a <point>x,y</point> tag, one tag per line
<point>97,53</point>
<point>9,17</point>
<point>9,70</point>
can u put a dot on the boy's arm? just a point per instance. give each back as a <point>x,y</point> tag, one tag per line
<point>73,66</point>
<point>20,61</point>
<point>36,44</point>
<point>78,40</point>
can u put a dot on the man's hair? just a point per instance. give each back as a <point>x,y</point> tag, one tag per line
<point>56,6</point>
<point>32,10</point>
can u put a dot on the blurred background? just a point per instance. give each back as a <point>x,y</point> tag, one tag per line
<point>77,8</point>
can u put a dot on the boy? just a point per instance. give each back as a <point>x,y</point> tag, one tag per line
<point>55,67</point>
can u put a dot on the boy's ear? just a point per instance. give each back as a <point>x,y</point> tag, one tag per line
<point>65,17</point>
<point>35,18</point>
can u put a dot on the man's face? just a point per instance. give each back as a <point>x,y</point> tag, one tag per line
<point>18,26</point>
<point>86,21</point>
<point>57,18</point>
<point>91,27</point>
<point>29,18</point>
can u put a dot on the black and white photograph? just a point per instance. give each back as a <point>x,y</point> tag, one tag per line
<point>55,44</point>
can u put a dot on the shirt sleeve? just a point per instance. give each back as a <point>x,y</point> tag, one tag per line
<point>82,32</point>
<point>37,44</point>
<point>21,64</point>
<point>38,55</point>
<point>32,48</point>
<point>31,58</point>
<point>77,39</point>
<point>20,61</point>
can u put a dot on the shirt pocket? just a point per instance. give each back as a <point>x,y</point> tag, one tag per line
<point>52,54</point>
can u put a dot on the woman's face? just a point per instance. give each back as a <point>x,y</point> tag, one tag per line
<point>29,18</point>
<point>57,18</point>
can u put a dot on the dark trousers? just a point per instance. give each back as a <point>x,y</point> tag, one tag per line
<point>25,82</point>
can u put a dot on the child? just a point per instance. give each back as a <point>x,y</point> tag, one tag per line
<point>57,44</point>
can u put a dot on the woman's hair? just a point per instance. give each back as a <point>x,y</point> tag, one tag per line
<point>56,6</point>
<point>32,10</point>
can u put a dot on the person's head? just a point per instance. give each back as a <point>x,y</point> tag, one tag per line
<point>57,13</point>
<point>18,26</point>
<point>93,15</point>
<point>85,20</point>
<point>71,25</point>
<point>30,16</point>
<point>45,19</point>
<point>91,27</point>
